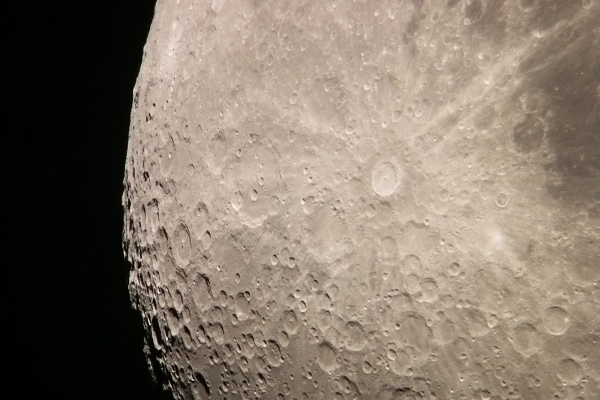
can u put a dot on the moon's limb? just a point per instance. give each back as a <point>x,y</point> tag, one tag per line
<point>368,199</point>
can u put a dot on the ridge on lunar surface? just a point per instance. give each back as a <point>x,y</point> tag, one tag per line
<point>357,200</point>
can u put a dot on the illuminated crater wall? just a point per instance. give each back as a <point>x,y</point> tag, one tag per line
<point>368,199</point>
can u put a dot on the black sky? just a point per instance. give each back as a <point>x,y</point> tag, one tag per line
<point>67,71</point>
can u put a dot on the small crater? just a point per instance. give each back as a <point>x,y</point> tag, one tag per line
<point>569,372</point>
<point>201,292</point>
<point>308,205</point>
<point>181,244</point>
<point>216,333</point>
<point>290,322</point>
<point>206,240</point>
<point>556,320</point>
<point>401,364</point>
<point>501,200</point>
<point>385,179</point>
<point>273,354</point>
<point>526,340</point>
<point>156,335</point>
<point>237,201</point>
<point>202,386</point>
<point>173,321</point>
<point>354,336</point>
<point>242,307</point>
<point>528,135</point>
<point>454,269</point>
<point>326,358</point>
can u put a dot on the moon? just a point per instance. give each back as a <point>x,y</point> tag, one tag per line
<point>356,200</point>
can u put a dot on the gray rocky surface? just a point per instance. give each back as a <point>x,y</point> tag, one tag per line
<point>368,199</point>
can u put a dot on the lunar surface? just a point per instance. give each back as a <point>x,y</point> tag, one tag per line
<point>368,199</point>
